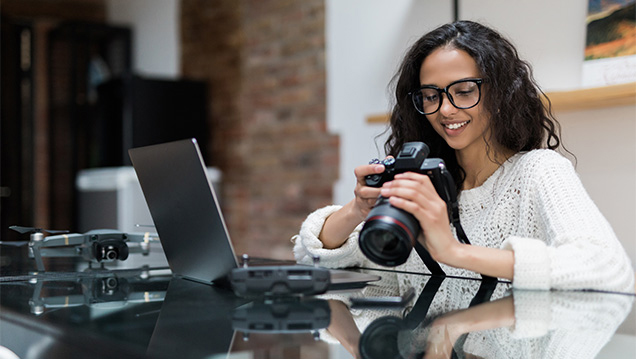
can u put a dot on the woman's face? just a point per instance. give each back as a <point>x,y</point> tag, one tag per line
<point>463,130</point>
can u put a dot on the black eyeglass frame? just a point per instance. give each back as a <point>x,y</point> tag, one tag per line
<point>477,81</point>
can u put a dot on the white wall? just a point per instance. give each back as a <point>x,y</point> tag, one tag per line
<point>366,39</point>
<point>604,142</point>
<point>549,34</point>
<point>155,27</point>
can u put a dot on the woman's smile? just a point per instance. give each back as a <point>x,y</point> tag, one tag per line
<point>452,127</point>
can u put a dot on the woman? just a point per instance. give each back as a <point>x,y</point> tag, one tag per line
<point>463,90</point>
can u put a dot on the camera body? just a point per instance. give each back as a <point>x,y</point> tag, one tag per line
<point>389,233</point>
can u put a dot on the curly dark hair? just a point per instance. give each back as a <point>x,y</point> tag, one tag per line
<point>520,120</point>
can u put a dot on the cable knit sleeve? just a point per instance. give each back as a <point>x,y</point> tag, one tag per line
<point>307,244</point>
<point>579,249</point>
<point>538,312</point>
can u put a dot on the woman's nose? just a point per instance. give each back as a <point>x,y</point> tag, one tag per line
<point>447,107</point>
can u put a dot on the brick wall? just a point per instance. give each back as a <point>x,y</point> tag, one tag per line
<point>264,61</point>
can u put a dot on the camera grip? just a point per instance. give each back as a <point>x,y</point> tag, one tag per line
<point>377,179</point>
<point>374,180</point>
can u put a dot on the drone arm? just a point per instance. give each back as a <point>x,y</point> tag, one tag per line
<point>146,237</point>
<point>143,241</point>
<point>38,303</point>
<point>37,246</point>
<point>63,240</point>
<point>59,252</point>
<point>63,301</point>
<point>39,263</point>
<point>145,297</point>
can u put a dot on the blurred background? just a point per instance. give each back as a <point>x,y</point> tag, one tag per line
<point>286,97</point>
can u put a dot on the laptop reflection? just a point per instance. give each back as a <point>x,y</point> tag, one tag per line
<point>194,321</point>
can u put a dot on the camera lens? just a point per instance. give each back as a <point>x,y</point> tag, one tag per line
<point>111,253</point>
<point>385,240</point>
<point>110,250</point>
<point>380,338</point>
<point>384,245</point>
<point>388,235</point>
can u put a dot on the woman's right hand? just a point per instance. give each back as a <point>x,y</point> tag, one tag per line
<point>365,196</point>
<point>342,223</point>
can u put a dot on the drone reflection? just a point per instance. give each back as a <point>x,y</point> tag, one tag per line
<point>99,291</point>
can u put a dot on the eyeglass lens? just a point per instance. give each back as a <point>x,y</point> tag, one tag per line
<point>464,94</point>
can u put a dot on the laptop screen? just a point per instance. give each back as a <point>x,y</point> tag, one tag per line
<point>185,210</point>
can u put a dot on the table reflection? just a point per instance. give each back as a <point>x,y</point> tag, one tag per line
<point>483,319</point>
<point>103,313</point>
<point>145,313</point>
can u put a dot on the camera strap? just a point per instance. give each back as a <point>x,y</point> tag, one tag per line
<point>461,235</point>
<point>429,262</point>
<point>454,218</point>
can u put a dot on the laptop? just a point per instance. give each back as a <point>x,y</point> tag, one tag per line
<point>186,213</point>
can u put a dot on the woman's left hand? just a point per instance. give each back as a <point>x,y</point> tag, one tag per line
<point>415,193</point>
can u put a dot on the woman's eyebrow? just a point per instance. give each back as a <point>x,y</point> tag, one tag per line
<point>461,79</point>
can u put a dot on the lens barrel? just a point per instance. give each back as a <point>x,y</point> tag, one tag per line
<point>388,234</point>
<point>380,338</point>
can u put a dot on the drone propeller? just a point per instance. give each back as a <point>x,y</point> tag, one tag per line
<point>23,230</point>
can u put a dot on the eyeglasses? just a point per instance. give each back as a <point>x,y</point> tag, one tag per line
<point>463,94</point>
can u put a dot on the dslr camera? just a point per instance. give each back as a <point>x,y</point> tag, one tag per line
<point>389,233</point>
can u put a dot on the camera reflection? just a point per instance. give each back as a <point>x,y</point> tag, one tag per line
<point>488,321</point>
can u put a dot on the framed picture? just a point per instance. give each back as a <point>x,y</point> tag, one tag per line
<point>610,49</point>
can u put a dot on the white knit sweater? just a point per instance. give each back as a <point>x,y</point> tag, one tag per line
<point>548,324</point>
<point>535,205</point>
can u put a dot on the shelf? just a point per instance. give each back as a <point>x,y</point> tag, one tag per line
<point>583,99</point>
<point>601,97</point>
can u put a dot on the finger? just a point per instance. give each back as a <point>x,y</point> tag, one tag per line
<point>375,166</point>
<point>413,176</point>
<point>431,214</point>
<point>365,170</point>
<point>366,192</point>
<point>366,196</point>
<point>405,199</point>
<point>419,182</point>
<point>414,197</point>
<point>404,185</point>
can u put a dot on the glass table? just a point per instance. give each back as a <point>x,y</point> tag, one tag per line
<point>147,313</point>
